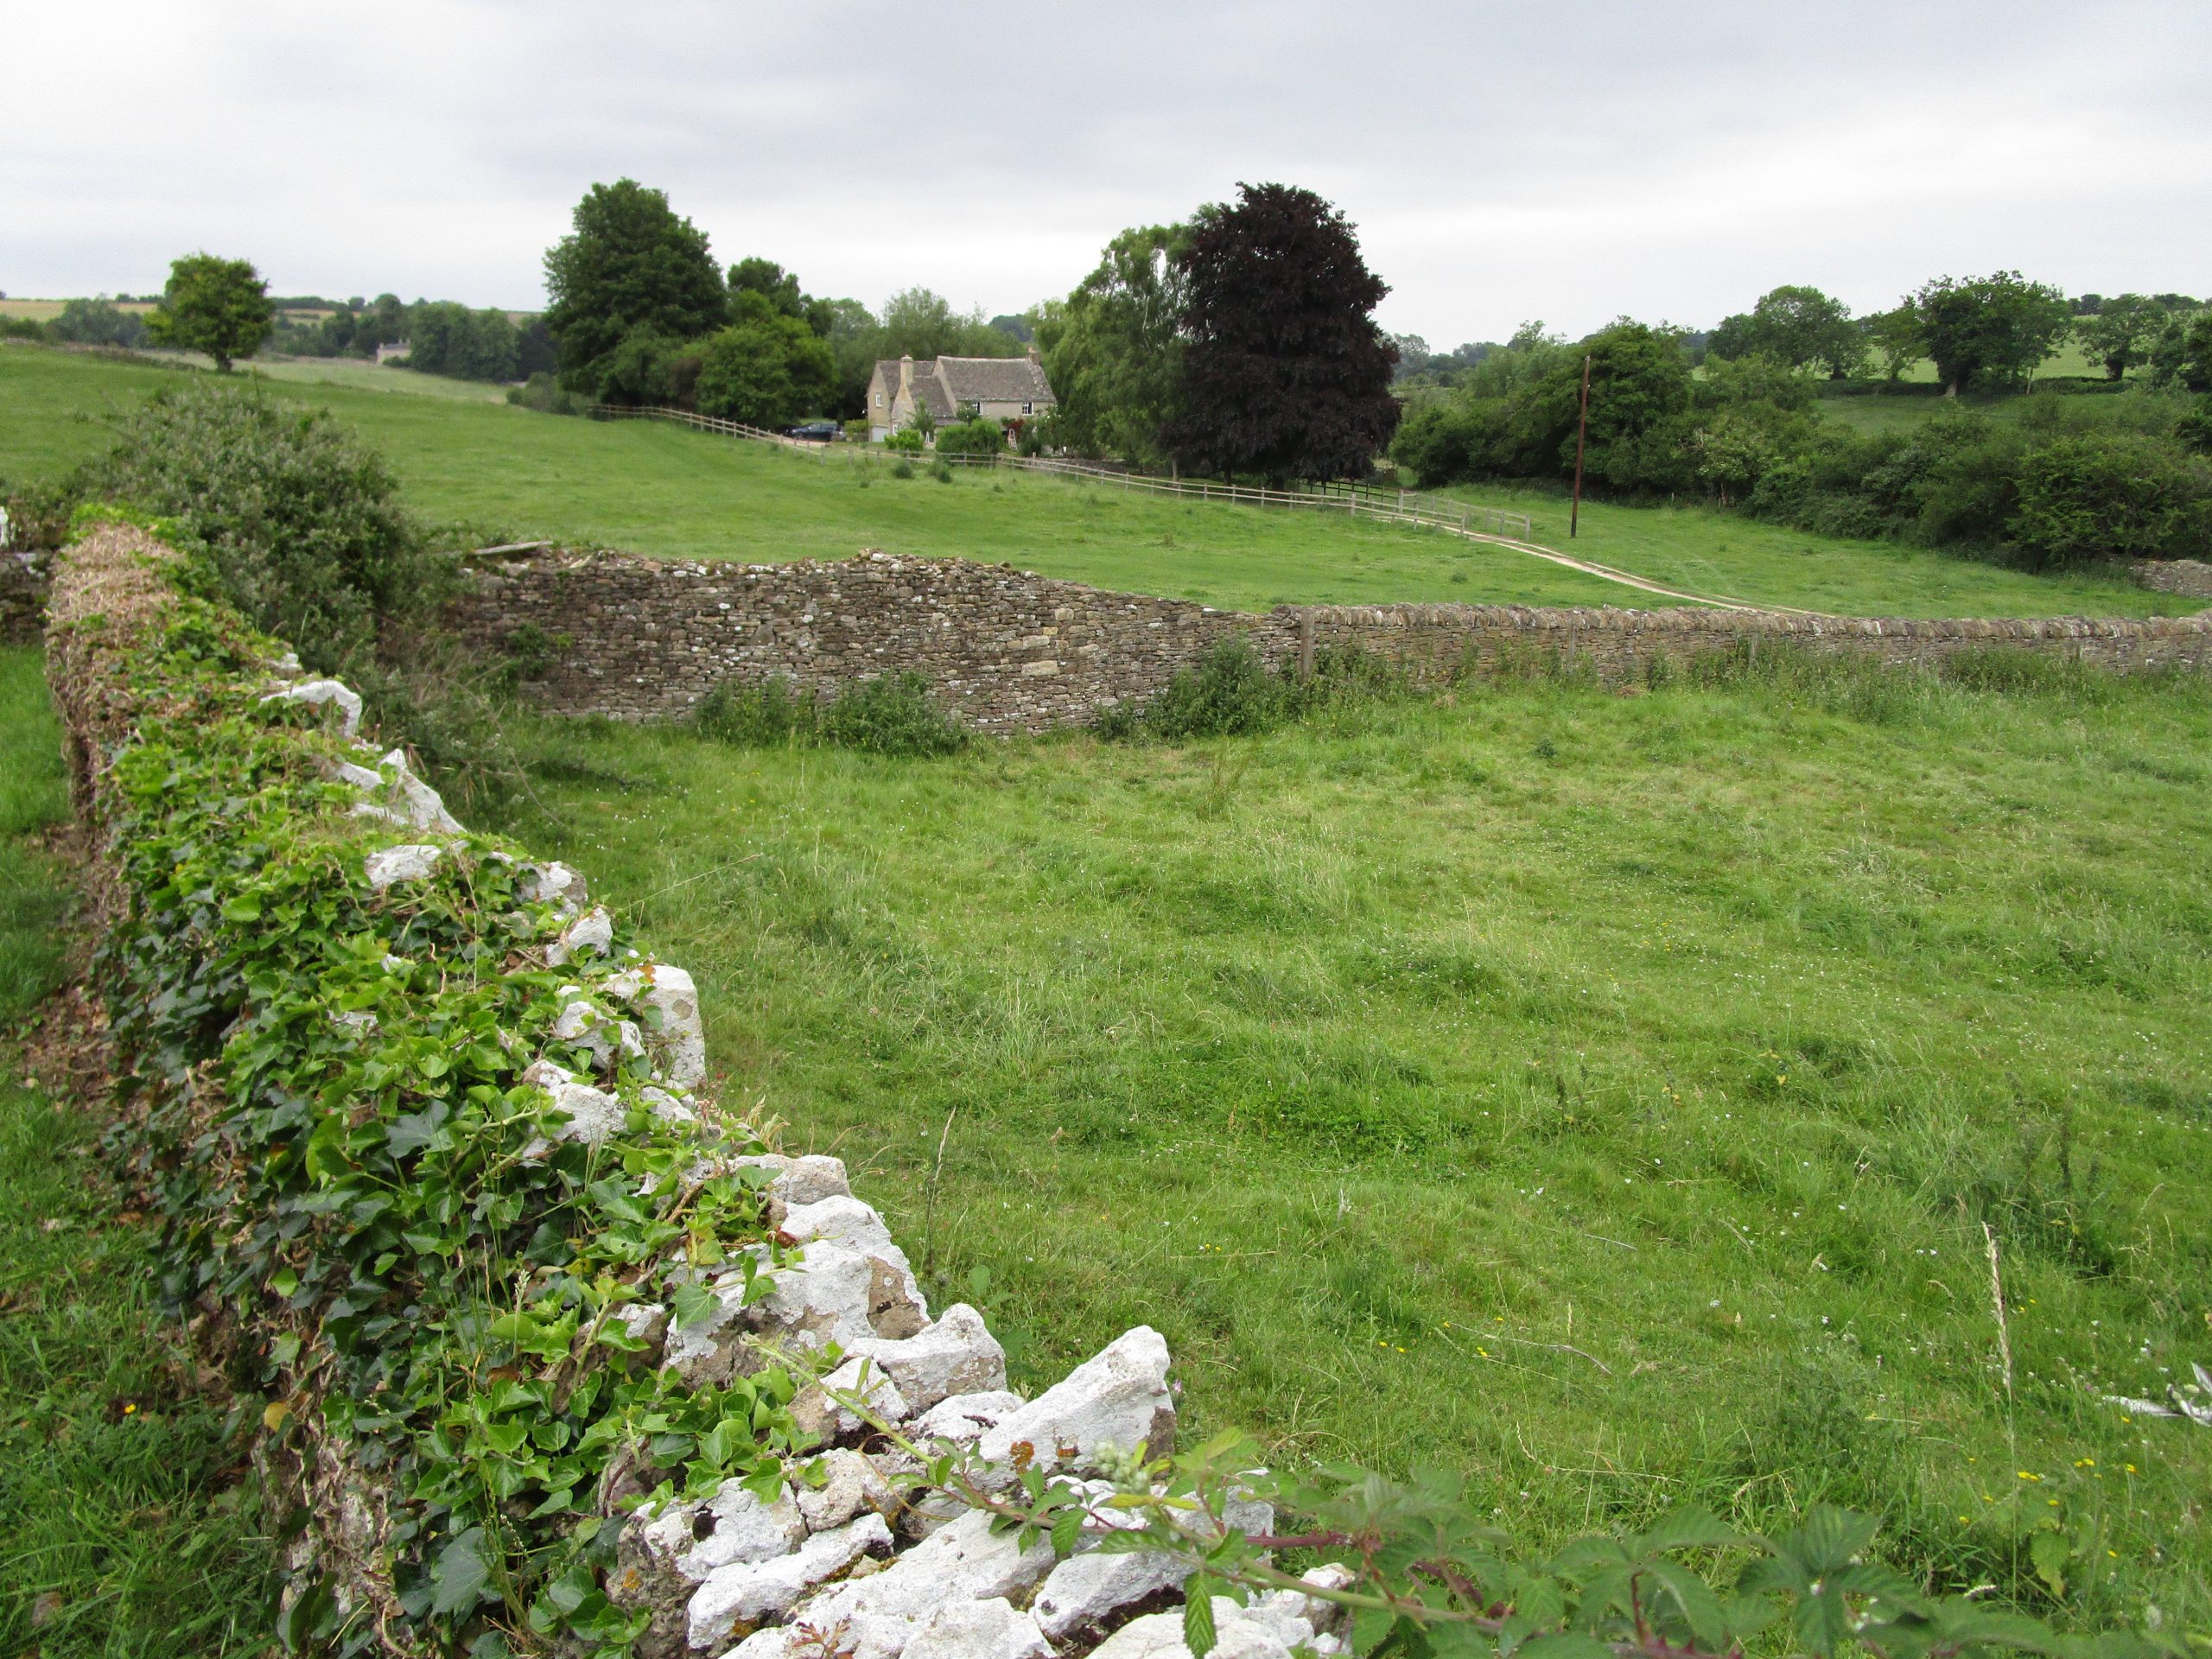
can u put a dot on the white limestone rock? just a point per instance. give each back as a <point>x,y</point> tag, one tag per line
<point>850,1484</point>
<point>593,1116</point>
<point>590,934</point>
<point>749,1593</point>
<point>678,1039</point>
<point>397,793</point>
<point>801,1180</point>
<point>896,1307</point>
<point>963,1561</point>
<point>955,1356</point>
<point>978,1629</point>
<point>1118,1397</point>
<point>553,884</point>
<point>817,1409</point>
<point>1087,1588</point>
<point>820,1297</point>
<point>964,1417</point>
<point>592,1028</point>
<point>1238,1633</point>
<point>396,864</point>
<point>318,692</point>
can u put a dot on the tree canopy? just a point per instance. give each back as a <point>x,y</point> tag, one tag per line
<point>2120,331</point>
<point>1799,326</point>
<point>217,306</point>
<point>1285,372</point>
<point>630,270</point>
<point>1988,329</point>
<point>768,368</point>
<point>1114,350</point>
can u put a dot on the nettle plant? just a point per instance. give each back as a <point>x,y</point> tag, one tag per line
<point>409,1256</point>
<point>1421,1572</point>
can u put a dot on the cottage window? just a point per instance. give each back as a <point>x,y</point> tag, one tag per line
<point>1027,410</point>
<point>878,400</point>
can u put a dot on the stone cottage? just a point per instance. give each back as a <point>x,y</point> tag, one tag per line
<point>1007,388</point>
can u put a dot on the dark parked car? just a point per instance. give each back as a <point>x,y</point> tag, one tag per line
<point>815,431</point>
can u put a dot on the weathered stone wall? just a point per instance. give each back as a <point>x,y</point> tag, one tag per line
<point>2191,578</point>
<point>1010,650</point>
<point>23,583</point>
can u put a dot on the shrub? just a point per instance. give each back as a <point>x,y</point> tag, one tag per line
<point>941,470</point>
<point>769,715</point>
<point>902,468</point>
<point>2112,495</point>
<point>547,395</point>
<point>300,519</point>
<point>856,431</point>
<point>975,437</point>
<point>1229,693</point>
<point>892,715</point>
<point>906,441</point>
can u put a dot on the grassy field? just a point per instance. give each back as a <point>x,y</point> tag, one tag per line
<point>1605,1097</point>
<point>124,1529</point>
<point>660,489</point>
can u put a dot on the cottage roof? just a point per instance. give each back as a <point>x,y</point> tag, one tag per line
<point>993,380</point>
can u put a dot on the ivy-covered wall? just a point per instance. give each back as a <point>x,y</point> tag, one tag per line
<point>534,1333</point>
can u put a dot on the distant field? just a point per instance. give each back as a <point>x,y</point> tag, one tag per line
<point>664,490</point>
<point>46,310</point>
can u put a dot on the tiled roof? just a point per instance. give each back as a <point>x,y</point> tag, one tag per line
<point>993,379</point>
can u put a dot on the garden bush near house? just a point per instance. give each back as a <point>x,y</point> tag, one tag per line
<point>978,436</point>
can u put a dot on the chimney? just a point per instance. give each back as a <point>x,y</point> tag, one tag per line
<point>907,375</point>
<point>1033,358</point>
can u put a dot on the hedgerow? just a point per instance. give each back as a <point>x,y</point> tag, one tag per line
<point>406,1257</point>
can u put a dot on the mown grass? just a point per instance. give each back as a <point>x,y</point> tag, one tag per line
<point>124,1527</point>
<point>654,488</point>
<point>1603,1097</point>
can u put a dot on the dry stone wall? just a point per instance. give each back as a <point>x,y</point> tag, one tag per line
<point>855,1543</point>
<point>2190,578</point>
<point>1009,651</point>
<point>23,586</point>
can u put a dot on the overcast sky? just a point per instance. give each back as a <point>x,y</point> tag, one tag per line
<point>1564,161</point>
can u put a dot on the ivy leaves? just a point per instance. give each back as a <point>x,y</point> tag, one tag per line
<point>419,1264</point>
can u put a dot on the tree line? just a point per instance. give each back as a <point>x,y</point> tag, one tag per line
<point>641,312</point>
<point>1239,342</point>
<point>1733,422</point>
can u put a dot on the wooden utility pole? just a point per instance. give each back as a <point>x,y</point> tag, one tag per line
<point>1581,436</point>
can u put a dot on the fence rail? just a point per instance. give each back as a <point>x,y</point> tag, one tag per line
<point>1356,500</point>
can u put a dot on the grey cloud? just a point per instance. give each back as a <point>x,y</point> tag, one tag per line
<point>1503,162</point>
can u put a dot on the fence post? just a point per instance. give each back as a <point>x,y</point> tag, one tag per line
<point>1305,644</point>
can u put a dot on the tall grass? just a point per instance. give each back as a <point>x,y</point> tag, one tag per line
<point>124,1525</point>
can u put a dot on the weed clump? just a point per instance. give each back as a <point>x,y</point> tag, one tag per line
<point>1231,692</point>
<point>894,715</point>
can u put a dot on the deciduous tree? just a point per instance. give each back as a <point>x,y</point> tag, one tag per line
<point>631,266</point>
<point>2120,332</point>
<point>1801,327</point>
<point>768,368</point>
<point>1285,372</point>
<point>1114,352</point>
<point>1988,329</point>
<point>217,306</point>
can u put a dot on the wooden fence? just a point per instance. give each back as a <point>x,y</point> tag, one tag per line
<point>1357,500</point>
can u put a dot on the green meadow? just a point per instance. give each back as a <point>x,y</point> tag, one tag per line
<point>1616,1099</point>
<point>505,473</point>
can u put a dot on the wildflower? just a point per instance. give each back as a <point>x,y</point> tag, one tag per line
<point>131,1409</point>
<point>2025,1475</point>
